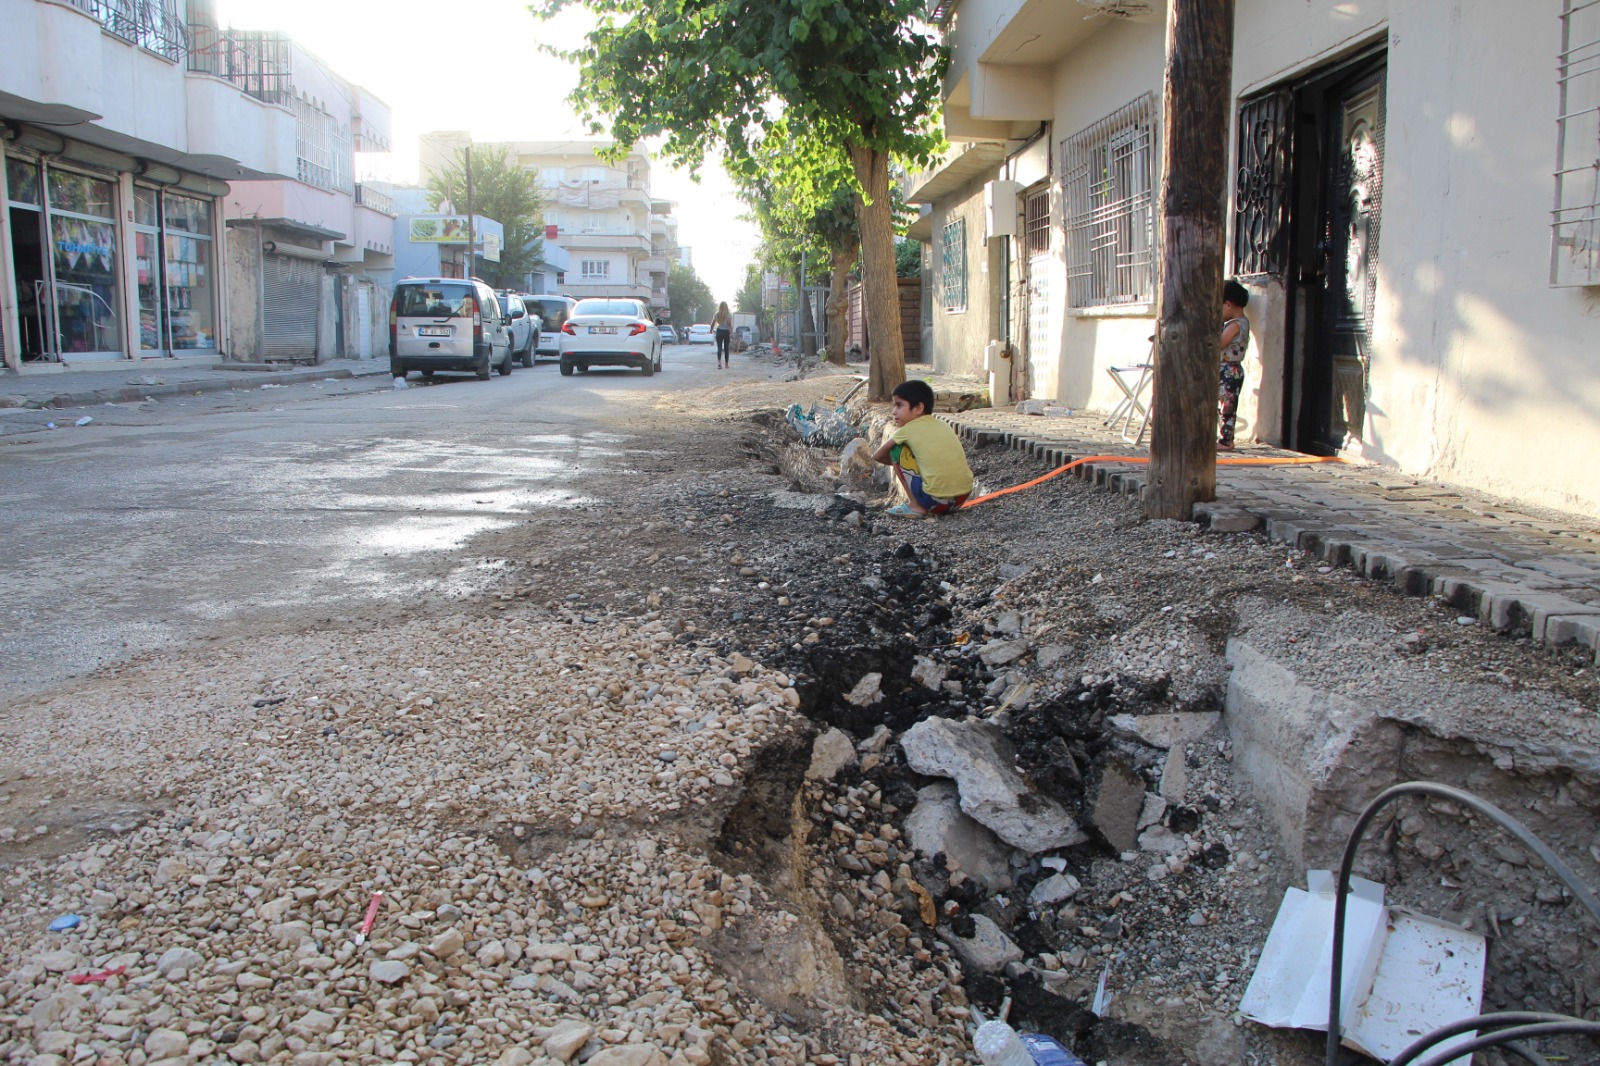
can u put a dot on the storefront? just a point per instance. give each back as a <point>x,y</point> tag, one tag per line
<point>173,243</point>
<point>67,230</point>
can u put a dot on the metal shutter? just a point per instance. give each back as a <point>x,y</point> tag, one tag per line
<point>289,306</point>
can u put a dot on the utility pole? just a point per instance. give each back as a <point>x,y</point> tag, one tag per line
<point>1194,131</point>
<point>472,236</point>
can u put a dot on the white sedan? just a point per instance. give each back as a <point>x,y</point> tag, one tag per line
<point>610,331</point>
<point>700,333</point>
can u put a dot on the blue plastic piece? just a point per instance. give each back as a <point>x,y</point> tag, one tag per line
<point>1047,1051</point>
<point>65,922</point>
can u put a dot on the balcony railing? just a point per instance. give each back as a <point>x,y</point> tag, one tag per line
<point>256,61</point>
<point>367,196</point>
<point>151,24</point>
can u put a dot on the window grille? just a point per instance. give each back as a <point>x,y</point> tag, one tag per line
<point>1110,182</point>
<point>321,147</point>
<point>1575,220</point>
<point>152,24</point>
<point>1036,223</point>
<point>596,268</point>
<point>255,61</point>
<point>953,281</point>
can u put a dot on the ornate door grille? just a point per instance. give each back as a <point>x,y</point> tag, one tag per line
<point>1261,185</point>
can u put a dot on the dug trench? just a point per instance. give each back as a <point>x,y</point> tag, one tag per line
<point>1091,653</point>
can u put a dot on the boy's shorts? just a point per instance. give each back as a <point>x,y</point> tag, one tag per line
<point>931,504</point>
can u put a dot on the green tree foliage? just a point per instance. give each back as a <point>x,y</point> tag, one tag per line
<point>862,75</point>
<point>505,192</point>
<point>907,257</point>
<point>748,298</point>
<point>688,296</point>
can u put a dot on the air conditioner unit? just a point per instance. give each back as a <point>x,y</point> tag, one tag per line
<point>1000,208</point>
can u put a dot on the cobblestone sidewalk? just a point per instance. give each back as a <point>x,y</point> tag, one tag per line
<point>1517,569</point>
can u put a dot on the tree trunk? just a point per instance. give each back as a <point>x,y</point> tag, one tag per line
<point>1183,430</point>
<point>839,304</point>
<point>808,321</point>
<point>882,291</point>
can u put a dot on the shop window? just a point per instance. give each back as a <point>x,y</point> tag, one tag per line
<point>83,243</point>
<point>174,256</point>
<point>953,278</point>
<point>1110,185</point>
<point>22,181</point>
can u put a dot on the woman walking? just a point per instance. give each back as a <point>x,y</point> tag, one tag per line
<point>722,325</point>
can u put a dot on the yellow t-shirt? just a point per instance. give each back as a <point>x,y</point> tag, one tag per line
<point>933,451</point>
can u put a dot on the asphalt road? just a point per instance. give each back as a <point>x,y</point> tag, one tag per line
<point>163,523</point>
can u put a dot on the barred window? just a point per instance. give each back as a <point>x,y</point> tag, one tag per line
<point>321,147</point>
<point>1110,182</point>
<point>953,278</point>
<point>1575,220</point>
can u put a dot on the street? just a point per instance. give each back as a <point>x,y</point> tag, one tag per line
<point>160,523</point>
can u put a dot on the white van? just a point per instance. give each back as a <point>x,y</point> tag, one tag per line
<point>447,324</point>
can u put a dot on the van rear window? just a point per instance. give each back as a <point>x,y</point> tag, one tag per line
<point>433,301</point>
<point>553,313</point>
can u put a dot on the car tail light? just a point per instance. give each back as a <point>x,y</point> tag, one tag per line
<point>477,321</point>
<point>566,327</point>
<point>638,328</point>
<point>394,324</point>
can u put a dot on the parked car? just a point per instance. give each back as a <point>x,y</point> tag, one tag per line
<point>700,333</point>
<point>524,327</point>
<point>668,334</point>
<point>448,324</point>
<point>552,311</point>
<point>610,332</point>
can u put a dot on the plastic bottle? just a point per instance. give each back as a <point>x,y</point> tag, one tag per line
<point>997,1044</point>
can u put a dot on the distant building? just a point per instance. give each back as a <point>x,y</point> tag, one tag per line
<point>433,244</point>
<point>617,238</point>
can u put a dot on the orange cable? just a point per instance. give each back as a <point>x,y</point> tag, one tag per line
<point>1298,460</point>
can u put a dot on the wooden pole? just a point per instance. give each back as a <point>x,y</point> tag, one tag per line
<point>1196,102</point>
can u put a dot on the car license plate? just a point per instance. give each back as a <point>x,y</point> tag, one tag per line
<point>602,329</point>
<point>433,331</point>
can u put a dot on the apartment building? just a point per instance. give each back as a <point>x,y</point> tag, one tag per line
<point>1463,351</point>
<point>121,127</point>
<point>309,254</point>
<point>618,238</point>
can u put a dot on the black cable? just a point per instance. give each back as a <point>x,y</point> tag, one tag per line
<point>1347,861</point>
<point>1516,1033</point>
<point>1498,1020</point>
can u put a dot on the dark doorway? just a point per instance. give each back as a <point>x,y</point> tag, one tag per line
<point>1334,217</point>
<point>34,305</point>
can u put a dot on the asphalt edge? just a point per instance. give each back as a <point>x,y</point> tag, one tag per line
<point>247,379</point>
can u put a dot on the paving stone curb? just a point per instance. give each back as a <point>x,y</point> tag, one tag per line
<point>1481,580</point>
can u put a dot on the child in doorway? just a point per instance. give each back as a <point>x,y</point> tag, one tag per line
<point>926,455</point>
<point>1235,340</point>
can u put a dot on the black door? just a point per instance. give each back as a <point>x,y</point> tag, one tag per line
<point>1342,279</point>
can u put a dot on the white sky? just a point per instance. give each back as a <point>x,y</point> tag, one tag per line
<point>415,56</point>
